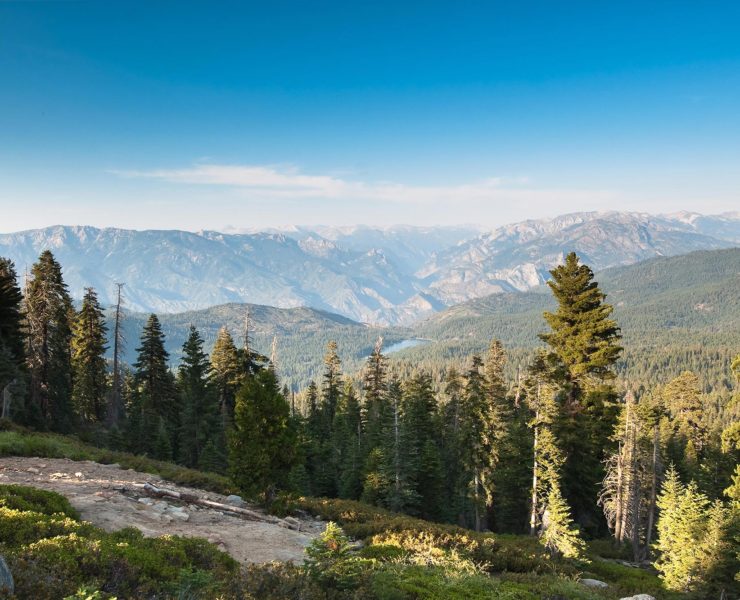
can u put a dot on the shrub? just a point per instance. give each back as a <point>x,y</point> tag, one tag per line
<point>330,560</point>
<point>32,499</point>
<point>53,555</point>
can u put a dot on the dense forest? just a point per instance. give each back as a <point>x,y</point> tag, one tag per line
<point>549,442</point>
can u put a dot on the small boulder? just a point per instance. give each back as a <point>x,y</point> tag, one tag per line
<point>33,470</point>
<point>147,501</point>
<point>181,515</point>
<point>639,597</point>
<point>594,583</point>
<point>235,500</point>
<point>6,577</point>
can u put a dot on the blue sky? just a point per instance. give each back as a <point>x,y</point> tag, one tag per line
<point>225,115</point>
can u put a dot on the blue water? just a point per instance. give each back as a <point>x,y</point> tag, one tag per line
<point>404,344</point>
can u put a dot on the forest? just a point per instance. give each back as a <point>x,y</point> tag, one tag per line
<point>561,449</point>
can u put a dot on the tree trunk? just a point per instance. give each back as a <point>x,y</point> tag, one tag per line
<point>533,512</point>
<point>115,406</point>
<point>7,400</point>
<point>653,494</point>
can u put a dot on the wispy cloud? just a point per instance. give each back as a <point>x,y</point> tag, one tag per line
<point>270,181</point>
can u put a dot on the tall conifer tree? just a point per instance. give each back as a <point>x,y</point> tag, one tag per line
<point>88,360</point>
<point>12,354</point>
<point>49,312</point>
<point>226,374</point>
<point>262,442</point>
<point>584,345</point>
<point>478,431</point>
<point>199,422</point>
<point>155,411</point>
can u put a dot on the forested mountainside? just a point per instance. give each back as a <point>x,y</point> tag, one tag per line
<point>677,313</point>
<point>378,276</point>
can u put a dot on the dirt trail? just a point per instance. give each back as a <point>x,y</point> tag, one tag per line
<point>111,498</point>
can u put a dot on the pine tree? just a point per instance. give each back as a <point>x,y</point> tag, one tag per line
<point>421,462</point>
<point>226,374</point>
<point>322,467</point>
<point>688,435</point>
<point>478,432</point>
<point>375,408</point>
<point>154,397</point>
<point>347,445</point>
<point>199,422</point>
<point>583,337</point>
<point>262,443</point>
<point>88,360</point>
<point>332,382</point>
<point>162,448</point>
<point>12,354</point>
<point>547,458</point>
<point>501,424</point>
<point>584,346</point>
<point>455,487</point>
<point>49,311</point>
<point>559,535</point>
<point>680,527</point>
<point>115,401</point>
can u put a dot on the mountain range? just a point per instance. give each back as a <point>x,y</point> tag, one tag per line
<point>680,312</point>
<point>382,276</point>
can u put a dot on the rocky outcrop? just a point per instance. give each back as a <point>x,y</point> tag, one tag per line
<point>6,577</point>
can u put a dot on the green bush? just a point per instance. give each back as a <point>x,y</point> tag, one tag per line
<point>53,555</point>
<point>32,499</point>
<point>495,553</point>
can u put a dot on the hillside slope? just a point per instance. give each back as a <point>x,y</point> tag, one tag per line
<point>684,311</point>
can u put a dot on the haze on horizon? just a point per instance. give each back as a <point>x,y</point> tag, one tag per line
<point>249,115</point>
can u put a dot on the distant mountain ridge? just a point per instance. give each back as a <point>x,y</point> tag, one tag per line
<point>382,276</point>
<point>668,308</point>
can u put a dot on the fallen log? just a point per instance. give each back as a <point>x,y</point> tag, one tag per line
<point>159,492</point>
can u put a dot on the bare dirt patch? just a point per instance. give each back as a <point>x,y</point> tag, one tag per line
<point>112,498</point>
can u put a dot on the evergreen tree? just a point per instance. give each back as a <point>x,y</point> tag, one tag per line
<point>199,422</point>
<point>12,354</point>
<point>584,346</point>
<point>376,403</point>
<point>154,396</point>
<point>347,445</point>
<point>547,458</point>
<point>332,382</point>
<point>322,467</point>
<point>502,431</point>
<point>451,434</point>
<point>162,448</point>
<point>226,374</point>
<point>478,432</point>
<point>262,442</point>
<point>559,535</point>
<point>88,360</point>
<point>421,462</point>
<point>684,426</point>
<point>680,527</point>
<point>583,337</point>
<point>48,314</point>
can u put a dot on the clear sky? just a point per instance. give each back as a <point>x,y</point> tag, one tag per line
<point>217,114</point>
